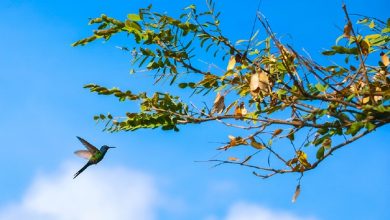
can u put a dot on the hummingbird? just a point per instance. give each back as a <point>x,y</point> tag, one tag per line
<point>92,154</point>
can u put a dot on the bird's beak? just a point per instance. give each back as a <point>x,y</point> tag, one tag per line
<point>111,147</point>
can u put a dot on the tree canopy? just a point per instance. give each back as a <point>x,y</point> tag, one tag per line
<point>290,111</point>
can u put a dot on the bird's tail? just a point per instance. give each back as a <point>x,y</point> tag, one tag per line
<point>82,169</point>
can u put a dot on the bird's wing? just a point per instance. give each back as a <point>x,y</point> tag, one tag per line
<point>89,146</point>
<point>83,154</point>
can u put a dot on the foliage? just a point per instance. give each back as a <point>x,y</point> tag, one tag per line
<point>269,92</point>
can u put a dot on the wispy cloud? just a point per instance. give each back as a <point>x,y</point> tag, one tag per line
<point>98,194</point>
<point>249,211</point>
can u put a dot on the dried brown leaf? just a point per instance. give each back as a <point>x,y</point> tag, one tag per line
<point>231,137</point>
<point>259,82</point>
<point>243,109</point>
<point>219,104</point>
<point>347,30</point>
<point>277,132</point>
<point>233,159</point>
<point>254,83</point>
<point>264,82</point>
<point>365,46</point>
<point>296,194</point>
<point>256,144</point>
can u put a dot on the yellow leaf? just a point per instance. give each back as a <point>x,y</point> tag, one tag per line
<point>237,112</point>
<point>385,59</point>
<point>296,194</point>
<point>378,97</point>
<point>302,158</point>
<point>301,155</point>
<point>365,100</point>
<point>232,62</point>
<point>371,25</point>
<point>233,159</point>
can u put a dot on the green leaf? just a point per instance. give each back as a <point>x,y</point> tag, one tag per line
<point>320,87</point>
<point>350,97</point>
<point>355,128</point>
<point>320,153</point>
<point>327,142</point>
<point>370,126</point>
<point>240,41</point>
<point>386,30</point>
<point>134,17</point>
<point>328,52</point>
<point>321,139</point>
<point>133,27</point>
<point>323,130</point>
<point>291,135</point>
<point>363,21</point>
<point>190,7</point>
<point>340,50</point>
<point>183,85</point>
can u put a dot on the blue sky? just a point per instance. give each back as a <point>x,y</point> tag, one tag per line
<point>152,174</point>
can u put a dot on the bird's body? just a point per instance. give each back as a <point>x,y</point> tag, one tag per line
<point>92,154</point>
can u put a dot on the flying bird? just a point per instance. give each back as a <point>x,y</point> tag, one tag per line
<point>92,154</point>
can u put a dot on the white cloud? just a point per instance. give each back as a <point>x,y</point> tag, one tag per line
<point>248,211</point>
<point>113,194</point>
<point>97,194</point>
